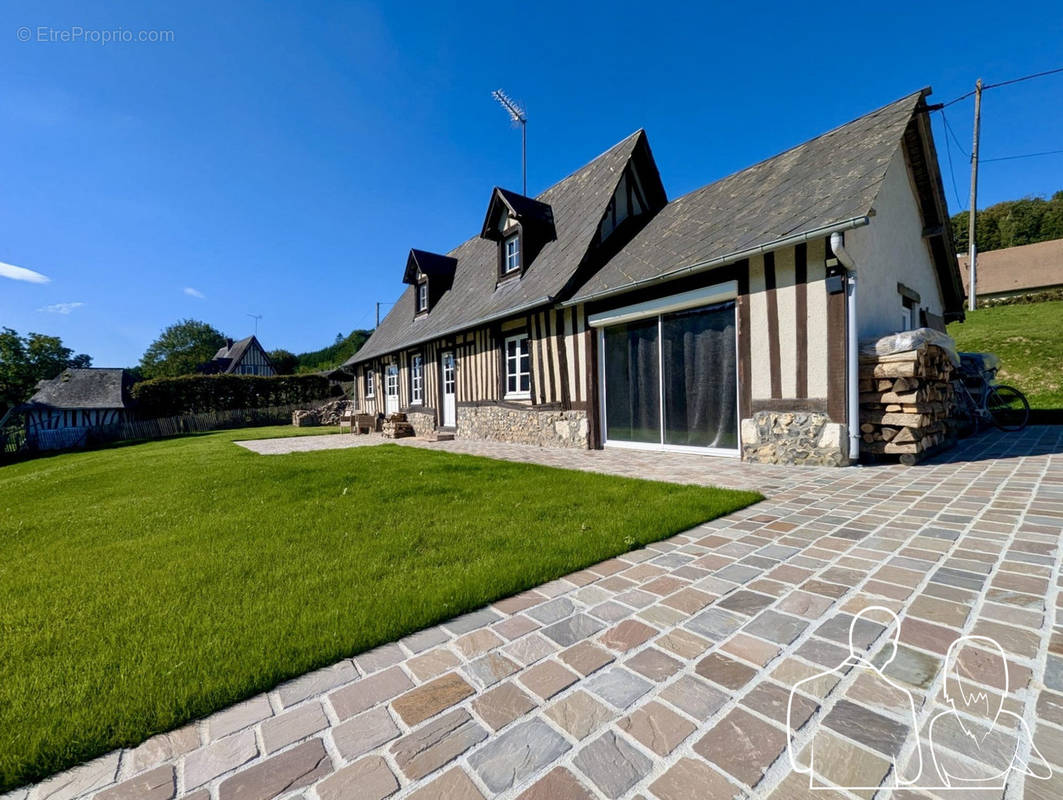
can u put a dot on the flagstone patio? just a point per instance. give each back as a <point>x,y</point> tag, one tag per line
<point>669,672</point>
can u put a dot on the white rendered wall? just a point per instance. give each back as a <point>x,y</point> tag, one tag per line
<point>891,250</point>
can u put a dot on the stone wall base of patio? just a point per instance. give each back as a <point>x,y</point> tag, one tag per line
<point>423,424</point>
<point>780,437</point>
<point>543,427</point>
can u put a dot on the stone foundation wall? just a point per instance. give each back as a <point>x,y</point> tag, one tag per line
<point>546,428</point>
<point>422,423</point>
<point>780,437</point>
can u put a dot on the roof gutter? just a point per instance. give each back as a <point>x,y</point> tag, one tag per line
<point>542,301</point>
<point>711,263</point>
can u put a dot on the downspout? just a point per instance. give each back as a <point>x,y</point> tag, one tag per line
<point>837,244</point>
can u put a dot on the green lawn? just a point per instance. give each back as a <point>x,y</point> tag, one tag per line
<point>1028,339</point>
<point>145,586</point>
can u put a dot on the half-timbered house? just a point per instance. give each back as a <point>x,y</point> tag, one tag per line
<point>64,409</point>
<point>601,314</point>
<point>245,357</point>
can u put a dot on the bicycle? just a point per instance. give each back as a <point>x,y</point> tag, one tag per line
<point>1004,407</point>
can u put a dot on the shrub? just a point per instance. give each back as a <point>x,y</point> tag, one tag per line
<point>199,394</point>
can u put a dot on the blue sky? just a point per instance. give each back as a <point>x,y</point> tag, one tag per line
<point>281,158</point>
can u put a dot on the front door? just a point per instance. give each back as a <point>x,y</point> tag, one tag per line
<point>392,386</point>
<point>449,416</point>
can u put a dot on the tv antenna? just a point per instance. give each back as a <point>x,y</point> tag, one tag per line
<point>256,318</point>
<point>517,114</point>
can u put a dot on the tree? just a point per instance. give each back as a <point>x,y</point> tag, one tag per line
<point>25,361</point>
<point>1012,223</point>
<point>342,348</point>
<point>284,361</point>
<point>181,349</point>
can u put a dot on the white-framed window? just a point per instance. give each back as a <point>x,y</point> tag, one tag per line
<point>511,254</point>
<point>518,367</point>
<point>416,380</point>
<point>422,296</point>
<point>370,388</point>
<point>391,375</point>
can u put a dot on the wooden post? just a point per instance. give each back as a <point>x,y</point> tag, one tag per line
<point>972,248</point>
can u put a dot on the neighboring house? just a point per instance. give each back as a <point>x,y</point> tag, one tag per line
<point>600,314</point>
<point>245,357</point>
<point>1025,269</point>
<point>64,409</point>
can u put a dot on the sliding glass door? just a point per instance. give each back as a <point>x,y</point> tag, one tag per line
<point>671,379</point>
<point>633,382</point>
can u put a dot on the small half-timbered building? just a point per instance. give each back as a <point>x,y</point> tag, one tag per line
<point>64,409</point>
<point>245,357</point>
<point>599,314</point>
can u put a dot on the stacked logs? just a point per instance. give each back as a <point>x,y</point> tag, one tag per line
<point>396,427</point>
<point>906,400</point>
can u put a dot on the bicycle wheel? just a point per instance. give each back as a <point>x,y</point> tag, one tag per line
<point>1009,408</point>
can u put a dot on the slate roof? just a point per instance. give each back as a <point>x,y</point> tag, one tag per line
<point>830,179</point>
<point>523,207</point>
<point>578,203</point>
<point>431,264</point>
<point>1024,268</point>
<point>93,387</point>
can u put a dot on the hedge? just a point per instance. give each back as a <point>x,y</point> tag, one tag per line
<point>1044,296</point>
<point>200,394</point>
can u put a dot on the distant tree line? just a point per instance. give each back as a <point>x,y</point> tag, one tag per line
<point>1012,223</point>
<point>342,348</point>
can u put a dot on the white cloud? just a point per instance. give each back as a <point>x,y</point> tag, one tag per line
<point>195,293</point>
<point>61,308</point>
<point>22,274</point>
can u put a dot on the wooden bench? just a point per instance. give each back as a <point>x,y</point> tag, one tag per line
<point>363,423</point>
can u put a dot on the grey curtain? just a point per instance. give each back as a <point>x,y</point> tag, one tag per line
<point>632,382</point>
<point>700,377</point>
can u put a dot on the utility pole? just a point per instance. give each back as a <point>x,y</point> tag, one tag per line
<point>377,313</point>
<point>972,248</point>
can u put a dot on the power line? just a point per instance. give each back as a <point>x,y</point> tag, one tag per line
<point>1024,78</point>
<point>1006,83</point>
<point>1024,155</point>
<point>952,171</point>
<point>952,133</point>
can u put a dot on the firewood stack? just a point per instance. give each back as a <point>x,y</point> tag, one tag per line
<point>396,427</point>
<point>906,403</point>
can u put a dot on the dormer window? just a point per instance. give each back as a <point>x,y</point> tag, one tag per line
<point>512,254</point>
<point>521,227</point>
<point>430,275</point>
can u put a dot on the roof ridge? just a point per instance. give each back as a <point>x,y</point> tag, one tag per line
<point>601,155</point>
<point>781,153</point>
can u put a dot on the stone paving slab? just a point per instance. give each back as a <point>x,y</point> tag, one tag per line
<point>671,672</point>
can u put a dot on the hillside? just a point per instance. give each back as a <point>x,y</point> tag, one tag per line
<point>332,356</point>
<point>1028,339</point>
